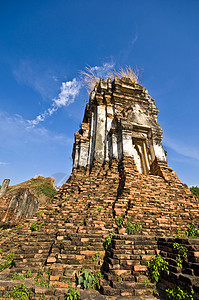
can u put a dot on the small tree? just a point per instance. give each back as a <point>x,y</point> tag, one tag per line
<point>195,190</point>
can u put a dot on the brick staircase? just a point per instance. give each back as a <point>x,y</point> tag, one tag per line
<point>125,266</point>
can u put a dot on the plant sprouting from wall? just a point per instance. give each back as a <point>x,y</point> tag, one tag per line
<point>108,240</point>
<point>192,232</point>
<point>178,293</point>
<point>156,266</point>
<point>19,292</point>
<point>182,253</point>
<point>87,279</point>
<point>72,294</point>
<point>132,228</point>
<point>91,78</point>
<point>128,72</point>
<point>34,226</point>
<point>17,276</point>
<point>119,220</point>
<point>8,263</point>
<point>96,256</point>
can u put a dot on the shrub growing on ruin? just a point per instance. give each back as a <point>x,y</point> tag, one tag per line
<point>179,293</point>
<point>88,279</point>
<point>192,232</point>
<point>19,292</point>
<point>91,78</point>
<point>182,253</point>
<point>119,221</point>
<point>156,266</point>
<point>195,190</point>
<point>108,240</point>
<point>17,276</point>
<point>47,190</point>
<point>34,226</point>
<point>72,294</point>
<point>128,72</point>
<point>8,263</point>
<point>132,228</point>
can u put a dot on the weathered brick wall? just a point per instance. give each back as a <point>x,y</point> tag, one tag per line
<point>82,214</point>
<point>188,275</point>
<point>126,272</point>
<point>124,264</point>
<point>91,199</point>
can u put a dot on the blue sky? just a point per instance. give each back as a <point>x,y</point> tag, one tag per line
<point>44,45</point>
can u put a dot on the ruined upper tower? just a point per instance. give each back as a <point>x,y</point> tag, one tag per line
<point>120,168</point>
<point>120,120</point>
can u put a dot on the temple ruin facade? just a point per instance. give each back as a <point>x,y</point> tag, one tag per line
<point>120,120</point>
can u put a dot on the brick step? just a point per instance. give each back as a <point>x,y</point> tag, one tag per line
<point>109,291</point>
<point>30,257</point>
<point>79,235</point>
<point>133,250</point>
<point>32,251</point>
<point>143,297</point>
<point>140,278</point>
<point>57,293</point>
<point>127,285</point>
<point>24,269</point>
<point>5,274</point>
<point>71,242</point>
<point>31,242</point>
<point>127,277</point>
<point>184,279</point>
<point>29,264</point>
<point>133,243</point>
<point>137,239</point>
<point>65,269</point>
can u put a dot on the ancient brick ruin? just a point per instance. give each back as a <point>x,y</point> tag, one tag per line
<point>119,163</point>
<point>120,172</point>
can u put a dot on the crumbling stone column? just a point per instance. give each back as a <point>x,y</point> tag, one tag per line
<point>4,187</point>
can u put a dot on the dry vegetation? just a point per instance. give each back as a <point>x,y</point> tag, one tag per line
<point>128,72</point>
<point>91,79</point>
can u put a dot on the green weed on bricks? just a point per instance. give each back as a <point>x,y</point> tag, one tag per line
<point>72,294</point>
<point>178,293</point>
<point>34,226</point>
<point>156,266</point>
<point>88,279</point>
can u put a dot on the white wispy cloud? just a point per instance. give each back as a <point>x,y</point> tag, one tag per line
<point>69,91</point>
<point>2,163</point>
<point>181,148</point>
<point>15,131</point>
<point>124,54</point>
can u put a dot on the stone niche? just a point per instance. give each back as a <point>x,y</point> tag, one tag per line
<point>120,120</point>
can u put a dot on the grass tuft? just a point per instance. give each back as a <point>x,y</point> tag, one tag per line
<point>91,79</point>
